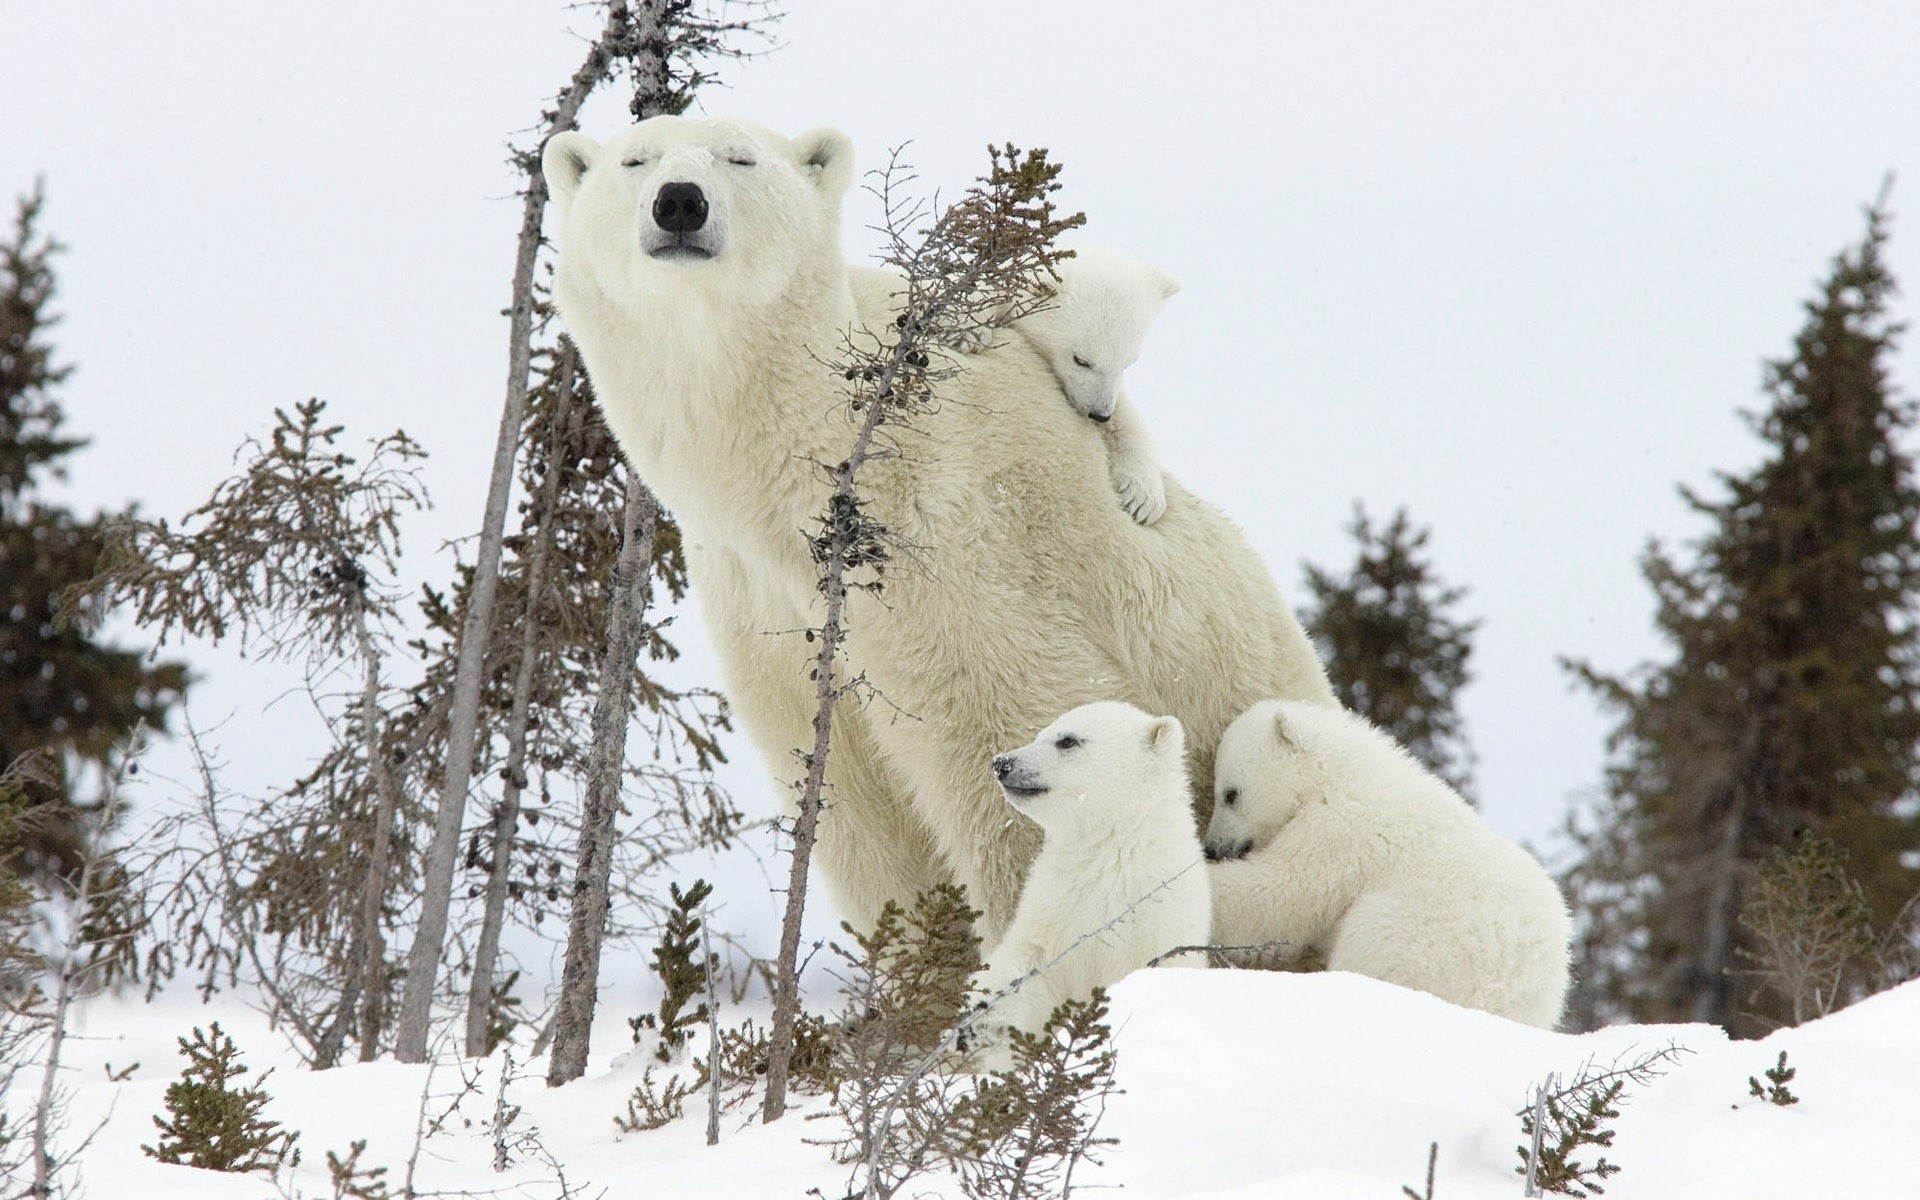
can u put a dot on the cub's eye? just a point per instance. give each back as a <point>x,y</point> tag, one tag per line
<point>1230,797</point>
<point>1066,742</point>
<point>636,160</point>
<point>743,160</point>
<point>1082,363</point>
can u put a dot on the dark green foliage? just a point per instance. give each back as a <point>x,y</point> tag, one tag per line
<point>1791,701</point>
<point>1776,1091</point>
<point>214,1124</point>
<point>1023,1130</point>
<point>1573,1119</point>
<point>1573,1123</point>
<point>504,1012</point>
<point>1811,939</point>
<point>655,1104</point>
<point>682,970</point>
<point>1395,653</point>
<point>351,1181</point>
<point>61,690</point>
<point>915,966</point>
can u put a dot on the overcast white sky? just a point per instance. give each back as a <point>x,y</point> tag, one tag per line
<point>1511,264</point>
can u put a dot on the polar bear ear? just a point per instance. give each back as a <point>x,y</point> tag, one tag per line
<point>1280,731</point>
<point>1164,736</point>
<point>1167,284</point>
<point>825,156</point>
<point>564,162</point>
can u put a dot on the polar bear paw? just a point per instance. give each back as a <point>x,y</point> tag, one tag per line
<point>1142,493</point>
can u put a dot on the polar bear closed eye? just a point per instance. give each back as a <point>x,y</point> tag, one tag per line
<point>1119,879</point>
<point>1327,836</point>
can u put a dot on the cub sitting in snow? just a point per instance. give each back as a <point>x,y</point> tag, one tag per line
<point>1090,333</point>
<point>1107,784</point>
<point>1327,836</point>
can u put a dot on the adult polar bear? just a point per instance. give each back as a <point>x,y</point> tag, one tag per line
<point>701,275</point>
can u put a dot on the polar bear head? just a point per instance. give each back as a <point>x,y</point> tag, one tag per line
<point>1093,330</point>
<point>1264,770</point>
<point>677,206</point>
<point>1097,765</point>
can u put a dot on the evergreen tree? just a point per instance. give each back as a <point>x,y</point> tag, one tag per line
<point>214,1125</point>
<point>1395,653</point>
<point>1789,705</point>
<point>61,690</point>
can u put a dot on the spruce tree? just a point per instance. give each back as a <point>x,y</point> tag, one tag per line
<point>212,1124</point>
<point>1395,653</point>
<point>62,691</point>
<point>1789,704</point>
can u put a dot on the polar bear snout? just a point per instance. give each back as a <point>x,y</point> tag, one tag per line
<point>1017,780</point>
<point>1221,850</point>
<point>680,207</point>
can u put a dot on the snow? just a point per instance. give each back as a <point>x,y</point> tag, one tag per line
<point>1236,1085</point>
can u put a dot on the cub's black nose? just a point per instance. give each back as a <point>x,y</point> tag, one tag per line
<point>680,207</point>
<point>1002,765</point>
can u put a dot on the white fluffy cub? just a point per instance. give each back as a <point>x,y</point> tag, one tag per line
<point>1327,836</point>
<point>1107,784</point>
<point>1090,333</point>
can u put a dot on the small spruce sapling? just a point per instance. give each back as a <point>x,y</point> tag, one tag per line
<point>351,1181</point>
<point>1776,1091</point>
<point>1025,1129</point>
<point>1561,1121</point>
<point>214,1125</point>
<point>683,970</point>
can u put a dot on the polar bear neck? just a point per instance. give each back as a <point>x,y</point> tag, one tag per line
<point>697,388</point>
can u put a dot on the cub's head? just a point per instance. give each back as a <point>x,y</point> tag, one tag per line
<point>1105,304</point>
<point>1097,764</point>
<point>1263,772</point>
<point>678,203</point>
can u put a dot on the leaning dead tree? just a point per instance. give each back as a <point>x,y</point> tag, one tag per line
<point>983,262</point>
<point>653,41</point>
<point>295,558</point>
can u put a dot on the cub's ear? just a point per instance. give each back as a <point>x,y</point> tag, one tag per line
<point>825,156</point>
<point>564,162</point>
<point>1280,732</point>
<point>1164,736</point>
<point>1167,284</point>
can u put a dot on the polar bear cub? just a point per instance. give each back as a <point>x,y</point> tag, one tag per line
<point>1327,836</point>
<point>1090,333</point>
<point>1107,784</point>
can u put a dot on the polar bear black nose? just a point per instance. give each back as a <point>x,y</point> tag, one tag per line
<point>680,207</point>
<point>1002,765</point>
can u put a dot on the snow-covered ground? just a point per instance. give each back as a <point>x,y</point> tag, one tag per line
<point>1237,1085</point>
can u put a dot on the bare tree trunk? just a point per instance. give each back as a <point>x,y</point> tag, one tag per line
<point>506,817</point>
<point>612,710</point>
<point>373,943</point>
<point>833,585</point>
<point>46,1106</point>
<point>423,958</point>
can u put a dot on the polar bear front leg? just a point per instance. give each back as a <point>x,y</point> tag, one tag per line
<point>1256,903</point>
<point>1133,465</point>
<point>872,847</point>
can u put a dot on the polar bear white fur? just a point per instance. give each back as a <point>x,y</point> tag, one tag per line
<point>1090,333</point>
<point>1327,836</point>
<point>700,274</point>
<point>1119,879</point>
